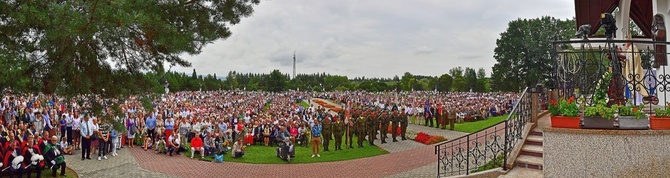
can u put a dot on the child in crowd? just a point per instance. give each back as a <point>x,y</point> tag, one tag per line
<point>67,149</point>
<point>115,141</point>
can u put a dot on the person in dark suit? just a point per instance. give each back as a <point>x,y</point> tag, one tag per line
<point>258,132</point>
<point>54,157</point>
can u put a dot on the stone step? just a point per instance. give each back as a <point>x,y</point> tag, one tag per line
<point>536,133</point>
<point>534,140</point>
<point>519,172</point>
<point>532,150</point>
<point>532,162</point>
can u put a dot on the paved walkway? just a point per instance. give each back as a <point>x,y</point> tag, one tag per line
<point>123,165</point>
<point>406,159</point>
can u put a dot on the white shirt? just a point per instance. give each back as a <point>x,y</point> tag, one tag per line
<point>87,132</point>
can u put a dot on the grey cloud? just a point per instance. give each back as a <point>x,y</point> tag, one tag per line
<point>375,38</point>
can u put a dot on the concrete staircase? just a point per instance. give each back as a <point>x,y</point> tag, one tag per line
<point>529,163</point>
<point>531,152</point>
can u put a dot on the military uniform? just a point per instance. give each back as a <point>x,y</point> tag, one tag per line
<point>372,128</point>
<point>351,129</point>
<point>452,118</point>
<point>403,124</point>
<point>326,133</point>
<point>338,131</point>
<point>394,126</point>
<point>385,126</point>
<point>360,130</point>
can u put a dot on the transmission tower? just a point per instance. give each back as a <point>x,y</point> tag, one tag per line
<point>293,64</point>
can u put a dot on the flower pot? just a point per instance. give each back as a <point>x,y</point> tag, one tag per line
<point>565,122</point>
<point>630,123</point>
<point>597,122</point>
<point>659,123</point>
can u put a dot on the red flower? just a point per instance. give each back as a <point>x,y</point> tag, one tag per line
<point>634,109</point>
<point>553,102</point>
<point>572,98</point>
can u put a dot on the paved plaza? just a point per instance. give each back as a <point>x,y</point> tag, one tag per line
<point>405,159</point>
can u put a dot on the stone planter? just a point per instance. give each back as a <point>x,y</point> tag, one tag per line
<point>591,122</point>
<point>630,123</point>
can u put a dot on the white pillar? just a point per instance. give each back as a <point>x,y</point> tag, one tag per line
<point>623,19</point>
<point>662,7</point>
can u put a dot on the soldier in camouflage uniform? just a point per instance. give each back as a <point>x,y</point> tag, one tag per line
<point>385,126</point>
<point>394,125</point>
<point>338,131</point>
<point>373,123</point>
<point>360,128</point>
<point>403,124</point>
<point>326,132</point>
<point>351,126</point>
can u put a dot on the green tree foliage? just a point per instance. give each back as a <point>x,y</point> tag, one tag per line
<point>459,83</point>
<point>471,79</point>
<point>276,81</point>
<point>444,83</point>
<point>103,47</point>
<point>523,52</point>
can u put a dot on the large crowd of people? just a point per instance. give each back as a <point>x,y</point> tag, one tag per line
<point>220,122</point>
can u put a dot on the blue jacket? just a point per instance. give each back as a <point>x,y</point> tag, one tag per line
<point>316,130</point>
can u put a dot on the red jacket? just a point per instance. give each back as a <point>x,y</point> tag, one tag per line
<point>27,155</point>
<point>196,142</point>
<point>7,161</point>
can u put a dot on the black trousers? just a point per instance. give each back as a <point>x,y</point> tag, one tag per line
<point>430,119</point>
<point>62,167</point>
<point>16,172</point>
<point>102,147</point>
<point>35,168</point>
<point>85,147</point>
<point>69,135</point>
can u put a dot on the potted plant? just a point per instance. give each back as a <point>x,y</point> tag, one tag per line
<point>599,116</point>
<point>661,119</point>
<point>632,117</point>
<point>564,113</point>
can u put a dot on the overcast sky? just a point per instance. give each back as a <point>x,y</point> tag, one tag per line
<point>372,38</point>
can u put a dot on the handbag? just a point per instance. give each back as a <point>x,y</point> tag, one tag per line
<point>133,130</point>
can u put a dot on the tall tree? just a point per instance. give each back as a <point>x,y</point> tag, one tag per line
<point>523,52</point>
<point>459,83</point>
<point>277,81</point>
<point>444,84</point>
<point>101,47</point>
<point>470,78</point>
<point>405,83</point>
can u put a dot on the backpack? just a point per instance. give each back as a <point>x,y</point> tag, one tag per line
<point>218,158</point>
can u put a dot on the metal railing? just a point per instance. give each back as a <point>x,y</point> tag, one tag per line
<point>615,71</point>
<point>471,152</point>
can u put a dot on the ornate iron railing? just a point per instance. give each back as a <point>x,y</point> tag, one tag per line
<point>614,71</point>
<point>469,153</point>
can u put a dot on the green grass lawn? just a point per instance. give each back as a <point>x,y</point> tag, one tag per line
<point>304,104</point>
<point>266,107</point>
<point>260,154</point>
<point>471,127</point>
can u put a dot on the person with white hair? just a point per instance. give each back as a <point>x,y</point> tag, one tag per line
<point>54,157</point>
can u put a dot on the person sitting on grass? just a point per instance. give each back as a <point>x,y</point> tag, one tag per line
<point>196,145</point>
<point>67,149</point>
<point>238,149</point>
